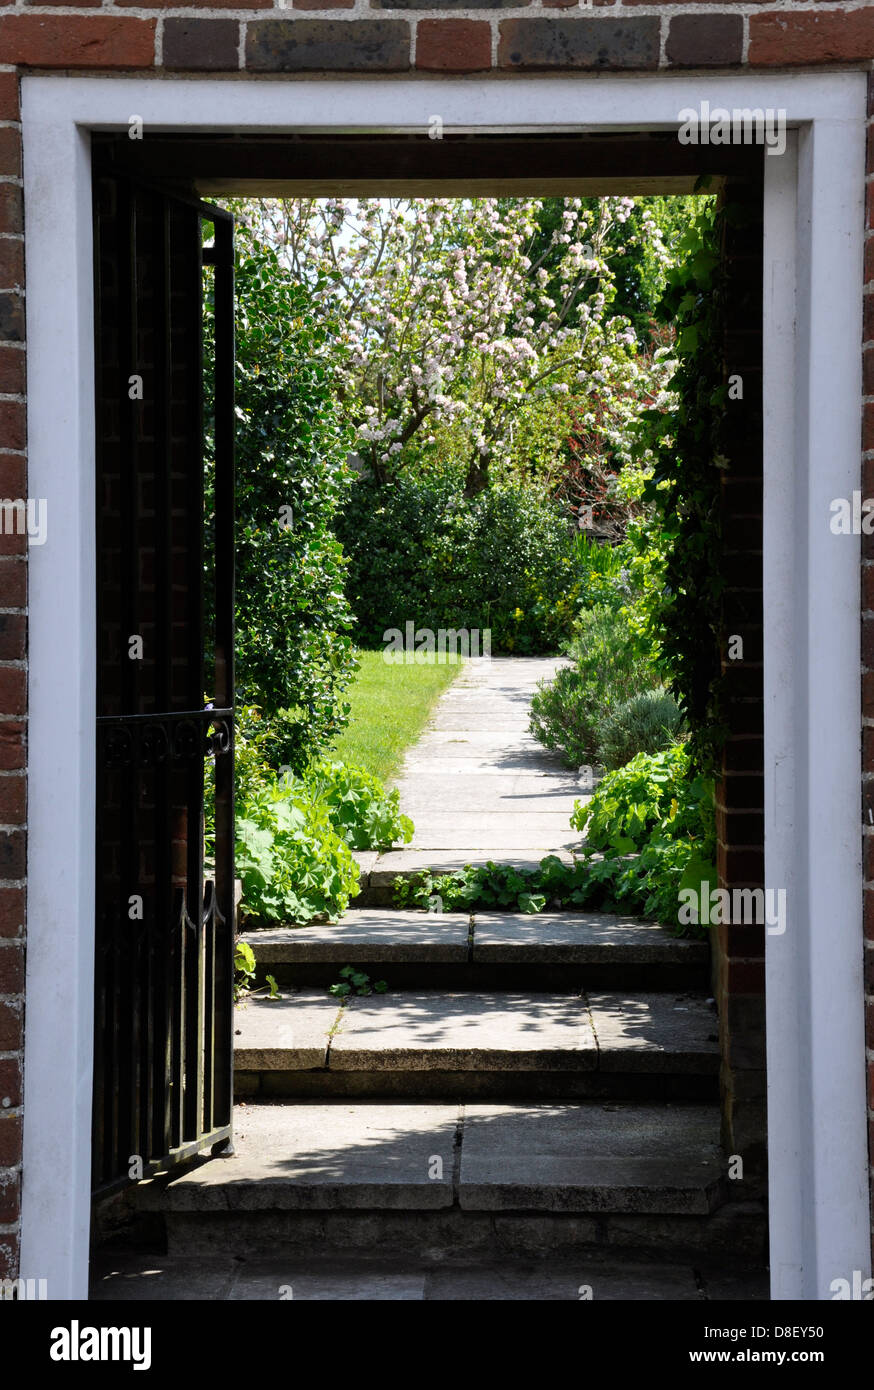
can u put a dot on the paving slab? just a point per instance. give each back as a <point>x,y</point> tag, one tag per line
<point>495,829</point>
<point>291,1032</point>
<point>516,794</point>
<point>335,1281</point>
<point>477,779</point>
<point>436,1031</point>
<point>590,1158</point>
<point>655,1032</point>
<point>564,938</point>
<point>323,1156</point>
<point>370,934</point>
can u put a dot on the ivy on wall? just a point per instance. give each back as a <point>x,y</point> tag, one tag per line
<point>685,605</point>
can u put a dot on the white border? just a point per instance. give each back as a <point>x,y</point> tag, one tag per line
<point>813,282</point>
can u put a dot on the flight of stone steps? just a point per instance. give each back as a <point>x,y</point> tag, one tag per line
<point>526,1086</point>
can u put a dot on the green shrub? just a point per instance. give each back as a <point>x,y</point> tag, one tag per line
<point>507,560</point>
<point>646,723</point>
<point>294,651</point>
<point>569,713</point>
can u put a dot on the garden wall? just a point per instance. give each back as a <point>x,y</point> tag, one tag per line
<point>392,37</point>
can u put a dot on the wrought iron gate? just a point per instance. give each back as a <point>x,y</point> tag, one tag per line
<point>165,672</point>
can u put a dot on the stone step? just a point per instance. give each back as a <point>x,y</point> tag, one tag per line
<point>473,1045</point>
<point>458,1180</point>
<point>380,871</point>
<point>565,952</point>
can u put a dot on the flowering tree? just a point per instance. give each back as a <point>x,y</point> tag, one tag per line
<point>462,316</point>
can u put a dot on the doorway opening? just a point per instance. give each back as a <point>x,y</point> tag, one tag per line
<point>639,1021</point>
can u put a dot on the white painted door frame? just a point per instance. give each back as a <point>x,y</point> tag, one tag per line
<point>814,198</point>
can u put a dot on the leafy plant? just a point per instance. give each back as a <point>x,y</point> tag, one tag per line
<point>361,810</point>
<point>632,800</point>
<point>293,864</point>
<point>644,724</point>
<point>354,981</point>
<point>295,836</point>
<point>244,973</point>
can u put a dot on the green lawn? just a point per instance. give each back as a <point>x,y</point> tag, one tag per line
<point>390,707</point>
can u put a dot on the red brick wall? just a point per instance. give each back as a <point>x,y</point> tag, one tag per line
<point>391,36</point>
<point>868,635</point>
<point>13,622</point>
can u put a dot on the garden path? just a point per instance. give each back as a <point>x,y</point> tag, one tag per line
<point>477,781</point>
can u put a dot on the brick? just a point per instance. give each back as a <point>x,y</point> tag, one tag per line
<point>13,800</point>
<point>11,968</point>
<point>743,793</point>
<point>10,1080</point>
<point>12,690</point>
<point>868,272</point>
<point>13,430</point>
<point>78,41</point>
<point>323,4</point>
<point>868,315</point>
<point>868,372</point>
<point>781,38</point>
<point>735,939</point>
<point>11,208</point>
<point>744,755</point>
<point>13,478</point>
<point>743,867</point>
<point>9,1249</point>
<point>10,1140</point>
<point>579,43</point>
<point>453,45</point>
<point>868,695</point>
<point>11,323</point>
<point>744,716</point>
<point>12,902</point>
<point>10,1198</point>
<point>12,745</point>
<point>868,977</point>
<point>199,45</point>
<point>13,632</point>
<point>329,45</point>
<point>741,827</point>
<point>11,371</point>
<point>9,109</point>
<point>198,4</point>
<point>13,859</point>
<point>10,145</point>
<point>449,4</point>
<point>868,750</point>
<point>11,1031</point>
<point>704,41</point>
<point>745,977</point>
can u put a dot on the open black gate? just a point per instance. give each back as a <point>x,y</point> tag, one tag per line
<point>165,643</point>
